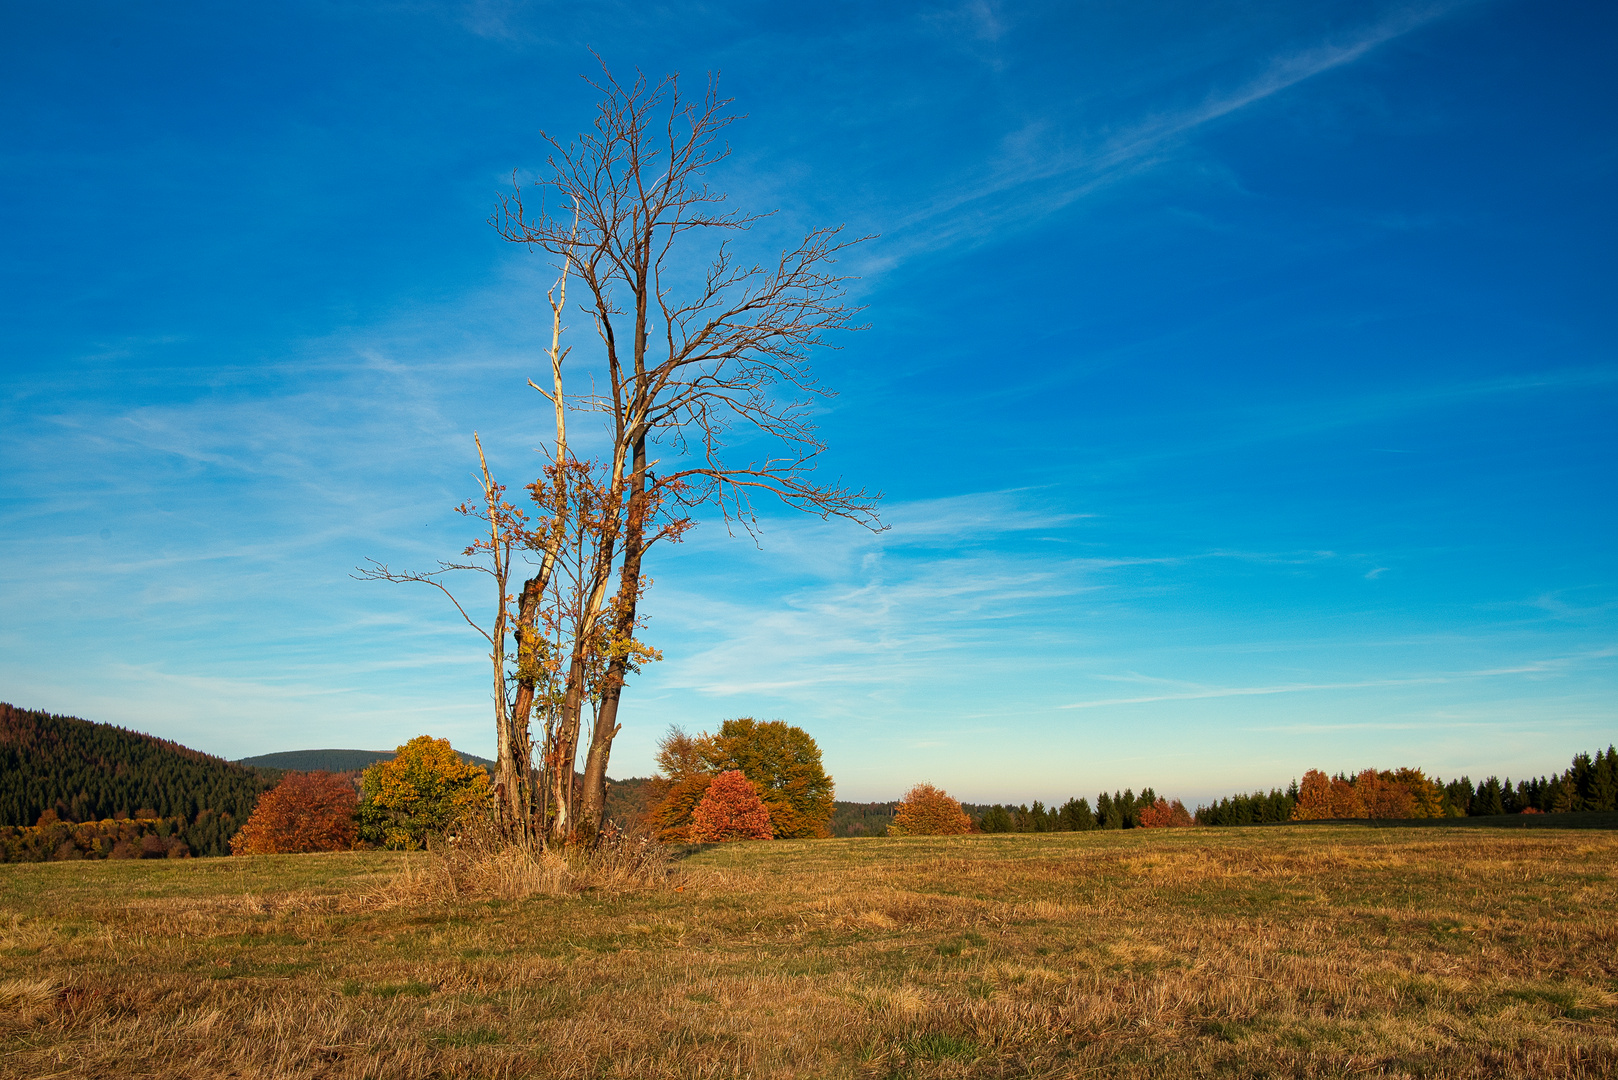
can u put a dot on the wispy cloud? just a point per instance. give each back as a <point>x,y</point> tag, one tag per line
<point>1033,179</point>
<point>1547,667</point>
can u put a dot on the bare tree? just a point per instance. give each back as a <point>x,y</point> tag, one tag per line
<point>511,533</point>
<point>508,533</point>
<point>691,359</point>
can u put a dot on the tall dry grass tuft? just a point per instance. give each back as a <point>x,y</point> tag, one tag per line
<point>477,864</point>
<point>26,995</point>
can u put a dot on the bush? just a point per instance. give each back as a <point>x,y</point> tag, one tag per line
<point>304,812</point>
<point>730,810</point>
<point>927,811</point>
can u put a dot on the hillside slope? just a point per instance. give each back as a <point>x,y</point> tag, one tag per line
<point>336,760</point>
<point>88,772</point>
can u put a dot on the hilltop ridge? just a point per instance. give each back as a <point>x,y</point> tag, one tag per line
<point>335,760</point>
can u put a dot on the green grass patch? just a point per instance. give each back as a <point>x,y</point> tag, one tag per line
<point>940,1046</point>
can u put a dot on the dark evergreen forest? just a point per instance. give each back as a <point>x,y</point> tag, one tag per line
<point>78,771</point>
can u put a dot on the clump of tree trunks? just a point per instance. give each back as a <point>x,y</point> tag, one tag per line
<point>692,364</point>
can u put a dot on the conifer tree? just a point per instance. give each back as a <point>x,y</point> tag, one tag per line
<point>996,819</point>
<point>1076,816</point>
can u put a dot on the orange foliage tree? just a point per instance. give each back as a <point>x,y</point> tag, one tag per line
<point>304,812</point>
<point>1406,793</point>
<point>1163,814</point>
<point>1426,797</point>
<point>684,778</point>
<point>1383,796</point>
<point>927,811</point>
<point>1314,797</point>
<point>1345,800</point>
<point>730,810</point>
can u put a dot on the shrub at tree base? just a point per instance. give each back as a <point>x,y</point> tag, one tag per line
<point>304,812</point>
<point>1163,814</point>
<point>927,811</point>
<point>730,810</point>
<point>671,818</point>
<point>425,790</point>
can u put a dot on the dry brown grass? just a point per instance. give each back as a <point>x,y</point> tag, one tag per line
<point>1275,952</point>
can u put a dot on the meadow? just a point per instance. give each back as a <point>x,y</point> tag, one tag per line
<point>1289,951</point>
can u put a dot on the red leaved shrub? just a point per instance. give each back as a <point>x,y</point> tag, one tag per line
<point>927,811</point>
<point>730,810</point>
<point>304,812</point>
<point>1165,815</point>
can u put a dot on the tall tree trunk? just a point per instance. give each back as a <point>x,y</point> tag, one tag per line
<point>593,799</point>
<point>515,764</point>
<point>561,755</point>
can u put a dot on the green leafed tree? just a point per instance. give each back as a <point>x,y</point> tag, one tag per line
<point>784,761</point>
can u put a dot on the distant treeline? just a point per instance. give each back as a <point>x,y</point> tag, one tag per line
<point>1590,783</point>
<point>1120,810</point>
<point>62,771</point>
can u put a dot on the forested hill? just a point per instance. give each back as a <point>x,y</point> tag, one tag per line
<point>87,772</point>
<point>336,760</point>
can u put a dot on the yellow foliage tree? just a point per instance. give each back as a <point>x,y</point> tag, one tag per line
<point>426,789</point>
<point>1426,797</point>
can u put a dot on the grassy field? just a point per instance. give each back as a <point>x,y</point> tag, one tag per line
<point>1285,951</point>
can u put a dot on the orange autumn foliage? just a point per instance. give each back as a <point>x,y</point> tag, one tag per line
<point>730,810</point>
<point>1163,814</point>
<point>1385,795</point>
<point>928,811</point>
<point>304,812</point>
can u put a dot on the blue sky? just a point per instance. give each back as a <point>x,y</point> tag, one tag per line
<point>1241,378</point>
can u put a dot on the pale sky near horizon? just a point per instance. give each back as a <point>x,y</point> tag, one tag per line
<point>1241,379</point>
